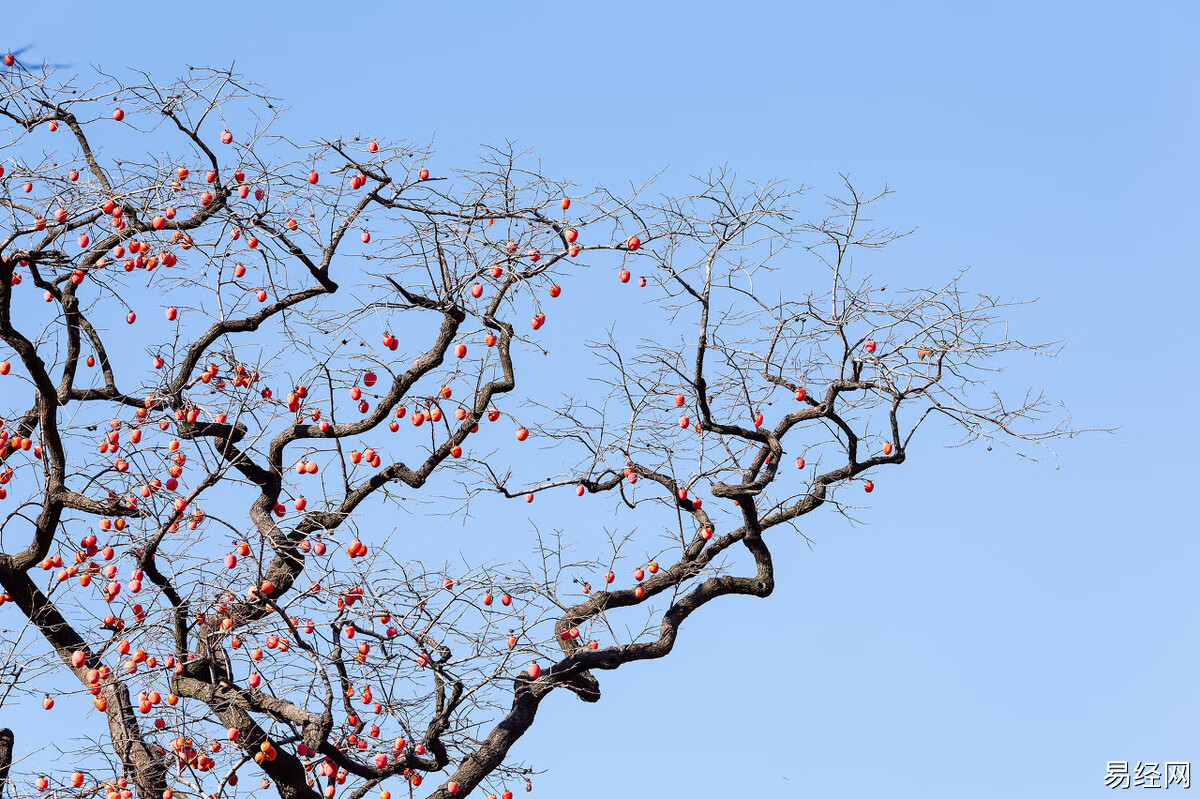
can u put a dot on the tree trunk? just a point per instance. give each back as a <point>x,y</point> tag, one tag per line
<point>6,754</point>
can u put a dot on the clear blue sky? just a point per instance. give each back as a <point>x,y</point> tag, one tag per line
<point>996,628</point>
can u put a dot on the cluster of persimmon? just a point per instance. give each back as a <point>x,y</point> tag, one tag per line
<point>159,222</point>
<point>186,755</point>
<point>186,752</point>
<point>139,252</point>
<point>15,443</point>
<point>116,789</point>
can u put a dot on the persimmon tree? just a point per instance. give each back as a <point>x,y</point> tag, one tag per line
<point>248,383</point>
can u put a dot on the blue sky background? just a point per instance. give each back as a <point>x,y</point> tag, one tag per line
<point>997,627</point>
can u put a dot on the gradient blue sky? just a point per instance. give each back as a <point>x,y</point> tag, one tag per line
<point>996,627</point>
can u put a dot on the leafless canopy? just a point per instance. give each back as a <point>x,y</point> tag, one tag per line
<point>207,331</point>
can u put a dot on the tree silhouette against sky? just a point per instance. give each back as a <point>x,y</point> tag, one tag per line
<point>250,384</point>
